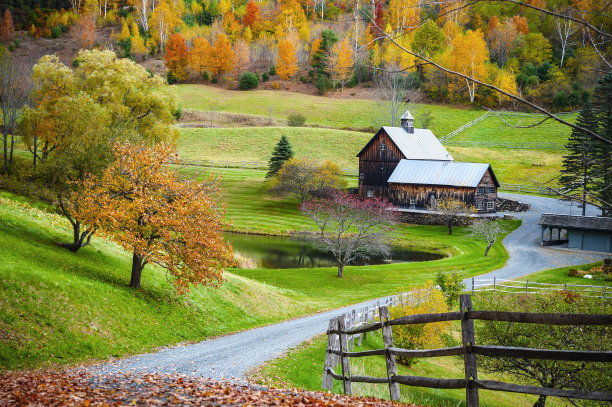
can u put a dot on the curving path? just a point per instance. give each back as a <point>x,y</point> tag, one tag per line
<point>231,356</point>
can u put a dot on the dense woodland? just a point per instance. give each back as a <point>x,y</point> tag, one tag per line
<point>550,52</point>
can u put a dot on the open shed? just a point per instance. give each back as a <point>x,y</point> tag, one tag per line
<point>579,232</point>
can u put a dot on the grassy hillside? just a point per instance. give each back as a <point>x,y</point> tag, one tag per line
<point>256,144</point>
<point>57,307</point>
<point>362,114</point>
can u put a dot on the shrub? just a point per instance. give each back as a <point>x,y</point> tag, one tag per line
<point>76,62</point>
<point>171,78</point>
<point>248,80</point>
<point>303,79</point>
<point>265,77</point>
<point>214,80</point>
<point>296,120</point>
<point>56,31</point>
<point>272,70</point>
<point>322,85</point>
<point>178,113</point>
<point>451,286</point>
<point>205,76</point>
<point>275,85</point>
<point>421,300</point>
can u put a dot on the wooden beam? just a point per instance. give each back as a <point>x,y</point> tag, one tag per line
<point>469,358</point>
<point>387,333</point>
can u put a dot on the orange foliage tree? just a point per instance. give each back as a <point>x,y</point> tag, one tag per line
<point>84,31</point>
<point>199,55</point>
<point>286,63</point>
<point>253,15</point>
<point>149,209</point>
<point>222,56</point>
<point>7,29</point>
<point>176,56</point>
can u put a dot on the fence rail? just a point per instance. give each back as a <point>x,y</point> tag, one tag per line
<point>533,189</point>
<point>530,287</point>
<point>342,328</point>
<point>255,165</point>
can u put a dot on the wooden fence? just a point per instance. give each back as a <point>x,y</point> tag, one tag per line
<point>339,352</point>
<point>255,165</point>
<point>497,144</point>
<point>530,287</point>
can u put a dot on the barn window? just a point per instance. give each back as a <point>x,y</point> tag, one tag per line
<point>370,193</point>
<point>383,146</point>
<point>490,205</point>
<point>413,201</point>
<point>479,205</point>
<point>491,190</point>
<point>361,175</point>
<point>481,190</point>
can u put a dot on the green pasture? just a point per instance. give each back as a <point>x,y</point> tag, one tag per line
<point>256,144</point>
<point>370,114</point>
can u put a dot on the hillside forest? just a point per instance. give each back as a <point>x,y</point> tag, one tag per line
<point>549,52</point>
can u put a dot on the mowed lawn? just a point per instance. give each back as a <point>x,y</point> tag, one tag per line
<point>370,114</point>
<point>257,143</point>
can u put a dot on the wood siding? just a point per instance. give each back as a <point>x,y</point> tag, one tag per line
<point>486,182</point>
<point>377,165</point>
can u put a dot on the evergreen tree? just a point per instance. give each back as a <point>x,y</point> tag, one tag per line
<point>282,152</point>
<point>577,174</point>
<point>602,108</point>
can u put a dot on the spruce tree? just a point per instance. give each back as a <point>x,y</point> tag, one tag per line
<point>579,165</point>
<point>282,152</point>
<point>602,108</point>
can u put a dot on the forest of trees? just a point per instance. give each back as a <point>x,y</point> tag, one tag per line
<point>550,52</point>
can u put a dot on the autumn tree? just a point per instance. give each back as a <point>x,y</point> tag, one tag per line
<point>349,228</point>
<point>302,178</point>
<point>428,39</point>
<point>199,56</point>
<point>176,56</point>
<point>252,17</point>
<point>138,47</point>
<point>162,22</point>
<point>343,67</point>
<point>7,29</point>
<point>160,216</point>
<point>468,56</point>
<point>78,114</point>
<point>535,48</point>
<point>487,230</point>
<point>142,8</point>
<point>286,63</point>
<point>404,15</point>
<point>450,210</point>
<point>242,56</point>
<point>500,36</point>
<point>84,31</point>
<point>222,56</point>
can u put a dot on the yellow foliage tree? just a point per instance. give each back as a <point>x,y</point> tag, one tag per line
<point>222,56</point>
<point>199,55</point>
<point>395,57</point>
<point>403,15</point>
<point>344,61</point>
<point>291,17</point>
<point>125,31</point>
<point>138,48</point>
<point>225,6</point>
<point>242,56</point>
<point>506,81</point>
<point>315,47</point>
<point>421,300</point>
<point>286,62</point>
<point>468,56</point>
<point>162,23</point>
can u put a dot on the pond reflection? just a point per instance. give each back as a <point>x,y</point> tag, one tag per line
<point>274,252</point>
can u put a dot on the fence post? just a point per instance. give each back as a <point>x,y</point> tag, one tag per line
<point>494,283</point>
<point>387,333</point>
<point>345,361</point>
<point>366,317</point>
<point>352,325</point>
<point>472,285</point>
<point>469,358</point>
<point>331,359</point>
<point>527,284</point>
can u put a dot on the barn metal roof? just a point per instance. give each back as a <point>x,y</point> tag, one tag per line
<point>429,172</point>
<point>577,222</point>
<point>420,145</point>
<point>407,116</point>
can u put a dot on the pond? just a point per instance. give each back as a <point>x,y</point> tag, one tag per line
<point>274,252</point>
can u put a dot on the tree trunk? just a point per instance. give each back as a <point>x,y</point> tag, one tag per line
<point>79,239</point>
<point>541,402</point>
<point>340,270</point>
<point>138,263</point>
<point>450,227</point>
<point>487,251</point>
<point>5,166</point>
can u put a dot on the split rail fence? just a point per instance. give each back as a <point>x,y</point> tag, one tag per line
<point>341,329</point>
<point>530,287</point>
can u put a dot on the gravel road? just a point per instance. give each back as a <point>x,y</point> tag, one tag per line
<point>231,356</point>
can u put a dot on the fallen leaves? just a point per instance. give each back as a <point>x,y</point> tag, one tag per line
<point>81,388</point>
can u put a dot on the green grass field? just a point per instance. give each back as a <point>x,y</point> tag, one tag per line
<point>367,114</point>
<point>257,143</point>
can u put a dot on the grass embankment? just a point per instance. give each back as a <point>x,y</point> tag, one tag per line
<point>257,143</point>
<point>561,276</point>
<point>368,114</point>
<point>58,307</point>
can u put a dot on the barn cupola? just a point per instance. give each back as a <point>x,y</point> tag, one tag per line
<point>407,122</point>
